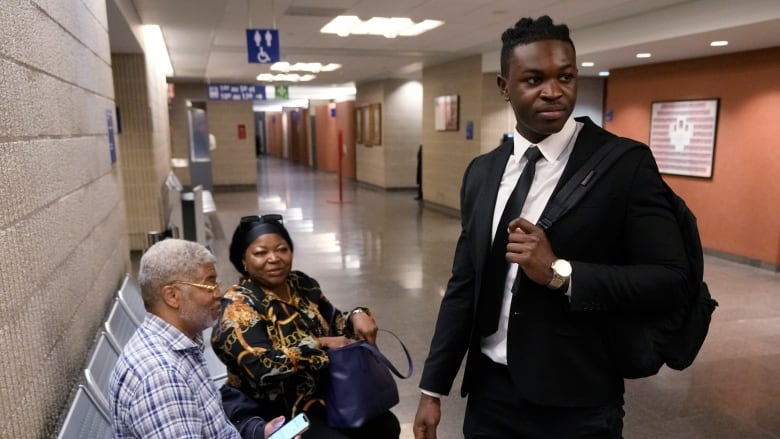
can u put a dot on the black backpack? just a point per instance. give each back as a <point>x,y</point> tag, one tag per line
<point>644,343</point>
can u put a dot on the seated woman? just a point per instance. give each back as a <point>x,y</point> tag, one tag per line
<point>276,326</point>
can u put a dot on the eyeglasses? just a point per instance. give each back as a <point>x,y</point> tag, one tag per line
<point>211,288</point>
<point>268,218</point>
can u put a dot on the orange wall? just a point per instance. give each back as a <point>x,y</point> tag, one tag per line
<point>327,154</point>
<point>739,208</point>
<point>327,137</point>
<point>274,133</point>
<point>297,135</point>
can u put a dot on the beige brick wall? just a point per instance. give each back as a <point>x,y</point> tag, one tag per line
<point>393,164</point>
<point>63,238</point>
<point>447,153</point>
<point>370,160</point>
<point>497,115</point>
<point>178,119</point>
<point>401,132</point>
<point>145,154</point>
<point>233,162</point>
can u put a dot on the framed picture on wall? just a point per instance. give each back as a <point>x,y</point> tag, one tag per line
<point>365,127</point>
<point>375,116</point>
<point>359,126</point>
<point>446,113</point>
<point>682,136</point>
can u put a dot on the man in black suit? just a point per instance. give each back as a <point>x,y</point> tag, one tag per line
<point>541,363</point>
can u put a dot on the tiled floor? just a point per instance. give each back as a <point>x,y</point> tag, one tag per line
<point>387,251</point>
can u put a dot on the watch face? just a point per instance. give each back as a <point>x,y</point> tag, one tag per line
<point>562,268</point>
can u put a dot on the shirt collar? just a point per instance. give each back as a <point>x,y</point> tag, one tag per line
<point>177,340</point>
<point>552,146</point>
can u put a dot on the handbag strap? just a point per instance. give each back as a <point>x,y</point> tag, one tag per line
<point>381,357</point>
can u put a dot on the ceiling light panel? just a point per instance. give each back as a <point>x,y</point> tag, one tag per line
<point>341,25</point>
<point>421,27</point>
<point>311,67</point>
<point>387,27</point>
<point>284,77</point>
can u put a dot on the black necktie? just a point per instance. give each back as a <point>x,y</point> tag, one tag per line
<point>494,276</point>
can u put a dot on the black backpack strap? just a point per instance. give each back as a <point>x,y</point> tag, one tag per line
<point>581,182</point>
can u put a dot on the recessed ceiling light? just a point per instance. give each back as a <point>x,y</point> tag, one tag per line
<point>643,55</point>
<point>719,43</point>
<point>587,64</point>
<point>604,73</point>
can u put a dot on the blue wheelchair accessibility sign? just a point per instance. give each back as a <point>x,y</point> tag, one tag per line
<point>262,45</point>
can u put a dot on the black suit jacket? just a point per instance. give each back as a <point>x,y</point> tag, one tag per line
<point>627,257</point>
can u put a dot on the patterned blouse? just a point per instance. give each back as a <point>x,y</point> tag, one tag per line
<point>270,346</point>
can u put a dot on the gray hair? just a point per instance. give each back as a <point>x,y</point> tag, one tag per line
<point>169,260</point>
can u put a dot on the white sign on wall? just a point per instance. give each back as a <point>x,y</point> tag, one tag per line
<point>682,136</point>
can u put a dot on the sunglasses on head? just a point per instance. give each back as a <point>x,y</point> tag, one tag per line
<point>273,218</point>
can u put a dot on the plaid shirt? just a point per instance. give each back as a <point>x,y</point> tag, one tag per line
<point>160,388</point>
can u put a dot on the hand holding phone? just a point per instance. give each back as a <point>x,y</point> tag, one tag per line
<point>296,426</point>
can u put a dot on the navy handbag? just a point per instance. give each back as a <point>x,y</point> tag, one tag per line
<point>359,385</point>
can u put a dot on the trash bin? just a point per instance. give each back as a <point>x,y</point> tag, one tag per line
<point>193,222</point>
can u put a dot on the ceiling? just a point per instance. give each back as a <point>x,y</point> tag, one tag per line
<point>206,38</point>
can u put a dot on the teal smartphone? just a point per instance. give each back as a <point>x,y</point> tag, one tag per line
<point>296,426</point>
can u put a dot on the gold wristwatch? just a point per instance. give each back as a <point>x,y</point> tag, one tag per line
<point>358,310</point>
<point>561,269</point>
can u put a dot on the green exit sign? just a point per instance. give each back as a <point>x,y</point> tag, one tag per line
<point>282,92</point>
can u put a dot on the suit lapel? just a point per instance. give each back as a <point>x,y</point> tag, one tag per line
<point>486,202</point>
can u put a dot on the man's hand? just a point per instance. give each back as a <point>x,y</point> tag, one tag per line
<point>529,248</point>
<point>427,418</point>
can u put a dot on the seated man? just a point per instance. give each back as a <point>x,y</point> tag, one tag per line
<point>160,387</point>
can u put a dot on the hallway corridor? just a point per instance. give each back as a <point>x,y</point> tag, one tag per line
<point>386,251</point>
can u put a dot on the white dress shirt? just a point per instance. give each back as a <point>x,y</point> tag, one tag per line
<point>555,150</point>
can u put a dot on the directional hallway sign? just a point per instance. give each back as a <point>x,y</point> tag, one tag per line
<point>262,45</point>
<point>236,92</point>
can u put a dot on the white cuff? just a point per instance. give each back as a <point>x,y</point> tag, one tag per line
<point>429,393</point>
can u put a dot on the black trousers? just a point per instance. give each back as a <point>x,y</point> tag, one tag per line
<point>493,411</point>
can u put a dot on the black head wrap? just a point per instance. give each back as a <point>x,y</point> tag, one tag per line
<point>249,229</point>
